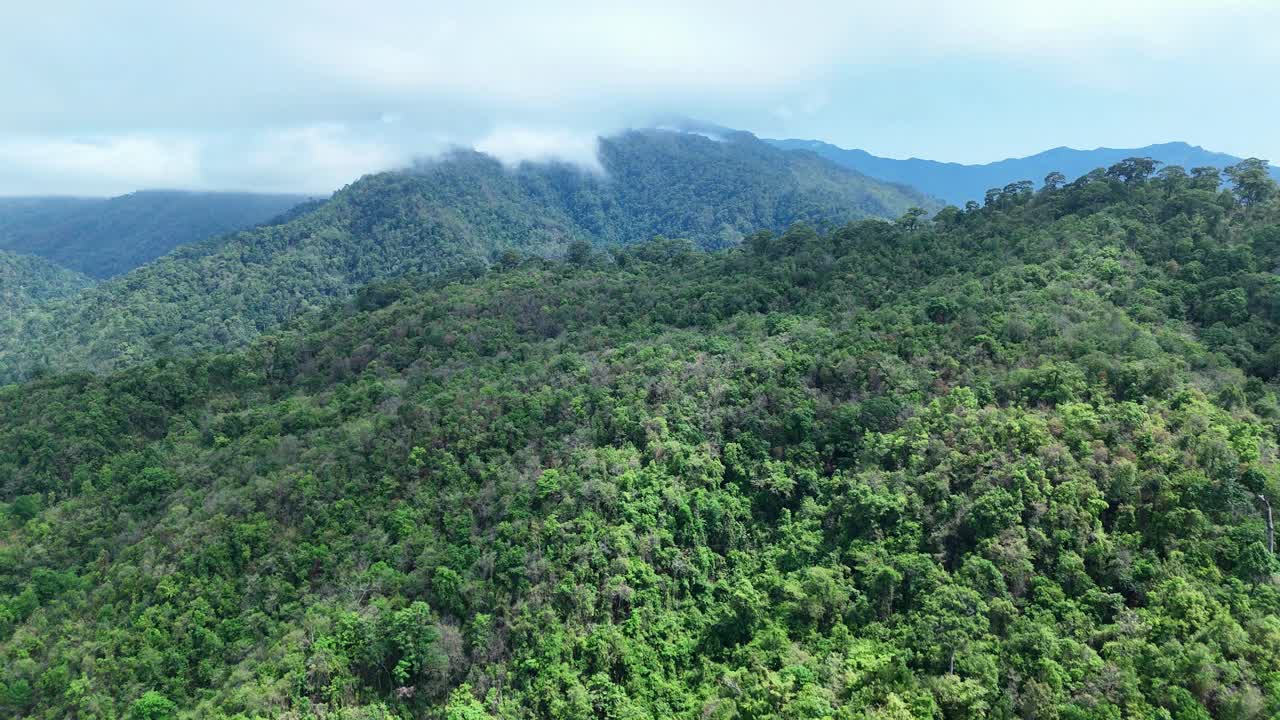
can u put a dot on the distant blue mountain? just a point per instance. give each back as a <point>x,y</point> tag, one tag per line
<point>956,183</point>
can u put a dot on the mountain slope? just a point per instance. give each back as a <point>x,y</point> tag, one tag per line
<point>456,214</point>
<point>958,184</point>
<point>1009,463</point>
<point>109,236</point>
<point>27,280</point>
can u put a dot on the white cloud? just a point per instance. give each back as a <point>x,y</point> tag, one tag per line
<point>513,145</point>
<point>809,104</point>
<point>309,95</point>
<point>708,134</point>
<point>538,55</point>
<point>565,55</point>
<point>314,159</point>
<point>38,165</point>
<point>311,159</point>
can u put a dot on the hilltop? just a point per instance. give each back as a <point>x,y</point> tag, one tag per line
<point>105,237</point>
<point>27,280</point>
<point>1012,461</point>
<point>456,214</point>
<point>958,184</point>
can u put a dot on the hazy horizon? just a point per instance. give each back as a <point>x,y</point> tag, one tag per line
<point>294,98</point>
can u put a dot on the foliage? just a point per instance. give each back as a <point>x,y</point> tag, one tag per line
<point>27,280</point>
<point>105,237</point>
<point>1001,464</point>
<point>454,215</point>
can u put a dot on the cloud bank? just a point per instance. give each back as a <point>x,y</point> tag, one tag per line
<point>95,166</point>
<point>106,97</point>
<point>513,145</point>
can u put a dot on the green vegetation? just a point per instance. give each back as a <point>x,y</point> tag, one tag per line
<point>105,237</point>
<point>26,280</point>
<point>455,215</point>
<point>1011,462</point>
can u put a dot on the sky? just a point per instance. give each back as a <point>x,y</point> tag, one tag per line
<point>102,98</point>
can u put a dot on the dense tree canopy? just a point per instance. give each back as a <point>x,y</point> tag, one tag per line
<point>455,214</point>
<point>105,237</point>
<point>27,280</point>
<point>1010,462</point>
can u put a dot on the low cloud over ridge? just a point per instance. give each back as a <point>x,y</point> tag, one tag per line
<point>106,98</point>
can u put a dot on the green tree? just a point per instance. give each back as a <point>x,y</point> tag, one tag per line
<point>153,706</point>
<point>1251,181</point>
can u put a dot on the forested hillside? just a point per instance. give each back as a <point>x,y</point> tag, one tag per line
<point>1011,462</point>
<point>457,214</point>
<point>957,183</point>
<point>104,237</point>
<point>27,279</point>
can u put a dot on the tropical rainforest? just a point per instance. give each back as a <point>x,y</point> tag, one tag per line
<point>1010,460</point>
<point>458,213</point>
<point>105,237</point>
<point>27,280</point>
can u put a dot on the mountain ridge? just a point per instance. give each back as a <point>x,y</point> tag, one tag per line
<point>457,213</point>
<point>27,280</point>
<point>958,183</point>
<point>1006,462</point>
<point>105,237</point>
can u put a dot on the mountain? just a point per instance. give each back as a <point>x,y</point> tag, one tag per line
<point>1008,462</point>
<point>27,280</point>
<point>958,184</point>
<point>104,237</point>
<point>456,214</point>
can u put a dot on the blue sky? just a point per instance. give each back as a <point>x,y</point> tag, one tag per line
<point>101,98</point>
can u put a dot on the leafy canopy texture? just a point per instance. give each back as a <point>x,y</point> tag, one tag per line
<point>1011,462</point>
<point>455,215</point>
<point>27,280</point>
